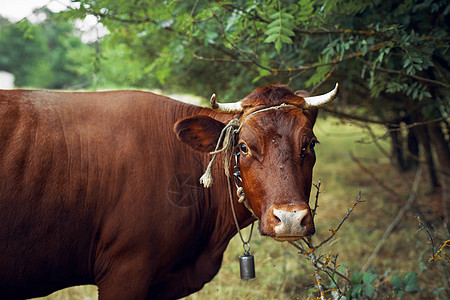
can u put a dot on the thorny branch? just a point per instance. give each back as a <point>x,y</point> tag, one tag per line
<point>322,263</point>
<point>323,266</point>
<point>430,236</point>
<point>439,255</point>
<point>435,255</point>
<point>316,203</point>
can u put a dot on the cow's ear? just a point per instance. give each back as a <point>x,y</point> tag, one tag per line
<point>199,132</point>
<point>311,114</point>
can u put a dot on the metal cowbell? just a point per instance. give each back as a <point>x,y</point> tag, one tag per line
<point>247,266</point>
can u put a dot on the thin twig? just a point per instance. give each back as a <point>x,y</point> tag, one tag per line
<point>430,236</point>
<point>313,260</point>
<point>220,59</point>
<point>316,203</point>
<point>444,257</point>
<point>334,231</point>
<point>333,269</point>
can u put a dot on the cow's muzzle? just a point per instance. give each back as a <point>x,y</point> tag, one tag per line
<point>288,222</point>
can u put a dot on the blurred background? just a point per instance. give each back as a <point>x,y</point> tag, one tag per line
<point>386,136</point>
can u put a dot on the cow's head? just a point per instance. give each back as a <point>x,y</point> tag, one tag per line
<point>276,157</point>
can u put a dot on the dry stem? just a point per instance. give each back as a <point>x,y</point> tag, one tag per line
<point>308,250</point>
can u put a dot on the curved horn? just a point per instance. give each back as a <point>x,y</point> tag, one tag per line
<point>225,107</point>
<point>316,101</point>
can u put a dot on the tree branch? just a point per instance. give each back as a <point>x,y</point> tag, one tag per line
<point>419,78</point>
<point>335,61</point>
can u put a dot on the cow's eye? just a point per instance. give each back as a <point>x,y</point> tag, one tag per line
<point>312,145</point>
<point>243,148</point>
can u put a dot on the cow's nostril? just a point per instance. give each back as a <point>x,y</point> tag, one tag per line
<point>278,220</point>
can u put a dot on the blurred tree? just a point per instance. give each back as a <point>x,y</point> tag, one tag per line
<point>21,46</point>
<point>391,58</point>
<point>48,54</point>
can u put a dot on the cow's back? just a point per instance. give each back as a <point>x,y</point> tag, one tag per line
<point>71,165</point>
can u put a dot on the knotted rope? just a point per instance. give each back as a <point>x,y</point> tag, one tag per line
<point>226,139</point>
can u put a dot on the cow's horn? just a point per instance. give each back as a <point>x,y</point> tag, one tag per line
<point>225,107</point>
<point>316,101</point>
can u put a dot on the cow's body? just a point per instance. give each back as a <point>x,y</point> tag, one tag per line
<point>103,188</point>
<point>93,190</point>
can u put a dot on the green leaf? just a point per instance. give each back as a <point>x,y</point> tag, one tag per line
<point>210,37</point>
<point>363,71</point>
<point>273,30</point>
<point>271,38</point>
<point>372,78</point>
<point>396,282</point>
<point>412,288</point>
<point>357,290</point>
<point>278,45</point>
<point>275,16</point>
<point>256,79</point>
<point>265,60</point>
<point>318,76</point>
<point>264,72</point>
<point>287,31</point>
<point>285,39</point>
<point>364,49</point>
<point>280,30</point>
<point>369,290</point>
<point>275,23</point>
<point>410,282</point>
<point>406,62</point>
<point>328,50</point>
<point>417,60</point>
<point>369,277</point>
<point>287,16</point>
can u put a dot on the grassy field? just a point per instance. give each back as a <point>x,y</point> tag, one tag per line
<point>282,273</point>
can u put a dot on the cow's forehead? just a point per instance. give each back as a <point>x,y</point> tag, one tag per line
<point>272,95</point>
<point>287,122</point>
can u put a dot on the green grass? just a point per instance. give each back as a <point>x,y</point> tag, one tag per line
<point>282,273</point>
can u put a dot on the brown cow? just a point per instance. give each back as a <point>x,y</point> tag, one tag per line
<point>95,188</point>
